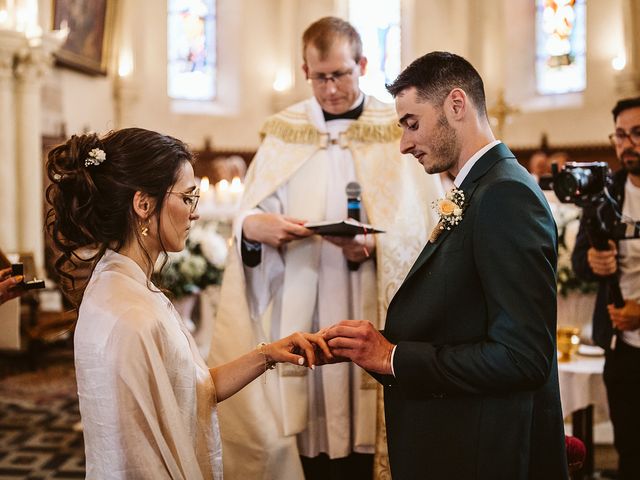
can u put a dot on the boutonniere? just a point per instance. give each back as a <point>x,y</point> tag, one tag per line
<point>450,210</point>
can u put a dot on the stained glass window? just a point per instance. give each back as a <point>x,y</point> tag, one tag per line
<point>191,49</point>
<point>378,22</point>
<point>561,46</point>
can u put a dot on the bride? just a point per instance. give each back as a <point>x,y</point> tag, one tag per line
<point>147,398</point>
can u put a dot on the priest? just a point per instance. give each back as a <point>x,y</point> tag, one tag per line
<point>281,277</point>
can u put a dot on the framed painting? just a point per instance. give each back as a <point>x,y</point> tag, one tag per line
<point>90,24</point>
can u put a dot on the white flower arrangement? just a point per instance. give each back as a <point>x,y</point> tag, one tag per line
<point>199,265</point>
<point>567,217</point>
<point>450,210</point>
<point>96,157</point>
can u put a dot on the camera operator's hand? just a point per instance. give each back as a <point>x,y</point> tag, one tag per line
<point>603,262</point>
<point>627,317</point>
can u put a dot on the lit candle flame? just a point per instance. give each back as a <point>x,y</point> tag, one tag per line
<point>222,185</point>
<point>204,184</point>
<point>236,185</point>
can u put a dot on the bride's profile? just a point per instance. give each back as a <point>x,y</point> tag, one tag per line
<point>147,398</point>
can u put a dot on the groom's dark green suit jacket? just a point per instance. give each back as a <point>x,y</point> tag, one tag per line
<point>475,393</point>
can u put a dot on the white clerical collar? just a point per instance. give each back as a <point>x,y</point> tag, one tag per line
<point>317,118</point>
<point>358,101</point>
<point>464,171</point>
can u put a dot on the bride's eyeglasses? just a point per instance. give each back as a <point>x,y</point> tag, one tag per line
<point>189,199</point>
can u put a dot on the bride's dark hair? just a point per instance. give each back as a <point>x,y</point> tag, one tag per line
<point>92,204</point>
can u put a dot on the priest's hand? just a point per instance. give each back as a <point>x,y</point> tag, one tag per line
<point>362,343</point>
<point>299,348</point>
<point>627,317</point>
<point>9,285</point>
<point>355,249</point>
<point>273,229</point>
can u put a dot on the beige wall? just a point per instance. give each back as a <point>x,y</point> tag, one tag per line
<point>259,37</point>
<point>584,119</point>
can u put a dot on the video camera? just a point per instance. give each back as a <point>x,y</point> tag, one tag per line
<point>583,184</point>
<point>587,186</point>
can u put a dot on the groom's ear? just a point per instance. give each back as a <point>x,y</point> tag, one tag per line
<point>457,104</point>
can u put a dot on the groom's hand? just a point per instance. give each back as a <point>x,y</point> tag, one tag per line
<point>362,343</point>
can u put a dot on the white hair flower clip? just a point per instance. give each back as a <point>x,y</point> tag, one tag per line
<point>96,157</point>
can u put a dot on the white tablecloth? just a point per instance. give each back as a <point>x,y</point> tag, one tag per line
<point>581,385</point>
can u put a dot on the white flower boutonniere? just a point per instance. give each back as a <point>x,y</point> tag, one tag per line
<point>450,209</point>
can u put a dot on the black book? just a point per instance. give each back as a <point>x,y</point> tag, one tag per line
<point>343,228</point>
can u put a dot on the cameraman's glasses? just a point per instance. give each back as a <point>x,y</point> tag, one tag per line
<point>618,138</point>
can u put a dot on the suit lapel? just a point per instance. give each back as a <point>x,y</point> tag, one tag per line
<point>469,185</point>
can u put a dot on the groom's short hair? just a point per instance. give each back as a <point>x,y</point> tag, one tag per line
<point>435,74</point>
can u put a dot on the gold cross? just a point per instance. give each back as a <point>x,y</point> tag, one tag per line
<point>500,112</point>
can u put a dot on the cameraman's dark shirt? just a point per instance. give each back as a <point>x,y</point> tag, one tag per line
<point>602,329</point>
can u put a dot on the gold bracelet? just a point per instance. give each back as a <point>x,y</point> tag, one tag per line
<point>268,364</point>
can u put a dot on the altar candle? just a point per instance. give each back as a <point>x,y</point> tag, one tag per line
<point>223,195</point>
<point>236,190</point>
<point>205,190</point>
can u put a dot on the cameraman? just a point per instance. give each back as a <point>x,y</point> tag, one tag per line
<point>617,330</point>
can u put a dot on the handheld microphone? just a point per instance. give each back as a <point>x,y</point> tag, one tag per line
<point>353,192</point>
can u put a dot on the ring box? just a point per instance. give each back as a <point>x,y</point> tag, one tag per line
<point>18,269</point>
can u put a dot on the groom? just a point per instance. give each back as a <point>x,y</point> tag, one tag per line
<point>468,354</point>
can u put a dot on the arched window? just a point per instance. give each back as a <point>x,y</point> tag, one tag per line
<point>378,22</point>
<point>191,48</point>
<point>561,46</point>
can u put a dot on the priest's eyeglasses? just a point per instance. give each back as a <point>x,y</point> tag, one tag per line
<point>189,199</point>
<point>337,77</point>
<point>618,138</point>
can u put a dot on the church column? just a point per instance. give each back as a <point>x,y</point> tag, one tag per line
<point>284,84</point>
<point>31,65</point>
<point>126,85</point>
<point>10,42</point>
<point>628,81</point>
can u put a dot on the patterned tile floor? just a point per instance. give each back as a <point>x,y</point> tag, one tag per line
<point>39,414</point>
<point>38,441</point>
<point>38,418</point>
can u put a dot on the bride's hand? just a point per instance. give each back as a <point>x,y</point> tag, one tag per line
<point>299,348</point>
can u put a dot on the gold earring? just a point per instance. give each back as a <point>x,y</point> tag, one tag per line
<point>144,230</point>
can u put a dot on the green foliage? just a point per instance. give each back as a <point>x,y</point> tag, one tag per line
<point>199,265</point>
<point>568,219</point>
